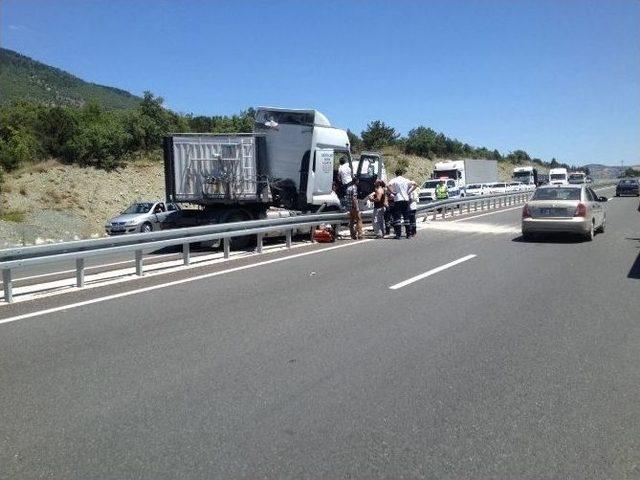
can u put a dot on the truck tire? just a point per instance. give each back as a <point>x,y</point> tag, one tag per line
<point>239,243</point>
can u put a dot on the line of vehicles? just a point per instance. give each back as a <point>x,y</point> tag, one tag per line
<point>285,167</point>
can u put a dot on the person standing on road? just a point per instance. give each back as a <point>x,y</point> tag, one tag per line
<point>355,217</point>
<point>401,188</point>
<point>413,208</point>
<point>442,192</point>
<point>379,199</point>
<point>345,175</point>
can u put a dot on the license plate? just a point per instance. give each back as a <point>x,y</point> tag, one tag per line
<point>552,212</point>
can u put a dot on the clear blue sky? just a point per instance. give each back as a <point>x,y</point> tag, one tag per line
<point>556,78</point>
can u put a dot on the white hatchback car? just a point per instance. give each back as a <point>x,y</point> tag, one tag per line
<point>476,189</point>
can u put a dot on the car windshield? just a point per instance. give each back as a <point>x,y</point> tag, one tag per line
<point>143,207</point>
<point>557,194</point>
<point>628,182</point>
<point>431,184</point>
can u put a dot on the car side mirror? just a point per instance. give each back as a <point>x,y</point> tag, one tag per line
<point>603,199</point>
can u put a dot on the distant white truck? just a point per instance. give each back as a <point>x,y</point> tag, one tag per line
<point>526,176</point>
<point>577,178</point>
<point>558,176</point>
<point>466,172</point>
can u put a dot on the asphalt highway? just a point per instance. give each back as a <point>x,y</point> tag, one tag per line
<point>490,358</point>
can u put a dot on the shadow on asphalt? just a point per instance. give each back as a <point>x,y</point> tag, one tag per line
<point>635,268</point>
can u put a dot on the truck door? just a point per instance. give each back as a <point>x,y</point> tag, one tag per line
<point>322,171</point>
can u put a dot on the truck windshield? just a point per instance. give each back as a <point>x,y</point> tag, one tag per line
<point>522,176</point>
<point>139,208</point>
<point>446,173</point>
<point>290,118</point>
<point>558,176</point>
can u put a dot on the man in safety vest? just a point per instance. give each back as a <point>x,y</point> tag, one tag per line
<point>442,192</point>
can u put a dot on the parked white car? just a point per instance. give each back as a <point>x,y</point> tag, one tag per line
<point>515,187</point>
<point>428,190</point>
<point>477,189</point>
<point>498,187</point>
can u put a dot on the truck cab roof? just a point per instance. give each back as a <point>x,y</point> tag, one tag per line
<point>292,116</point>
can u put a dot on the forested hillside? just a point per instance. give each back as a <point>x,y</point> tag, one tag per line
<point>25,79</point>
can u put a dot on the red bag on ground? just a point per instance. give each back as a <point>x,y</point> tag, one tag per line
<point>324,235</point>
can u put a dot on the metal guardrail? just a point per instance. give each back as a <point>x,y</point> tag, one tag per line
<point>20,257</point>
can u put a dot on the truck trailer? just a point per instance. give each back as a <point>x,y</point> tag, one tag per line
<point>467,171</point>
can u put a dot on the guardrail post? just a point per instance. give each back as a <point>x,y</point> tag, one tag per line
<point>468,207</point>
<point>435,213</point>
<point>139,269</point>
<point>7,284</point>
<point>186,258</point>
<point>311,234</point>
<point>227,246</point>
<point>288,237</point>
<point>481,205</point>
<point>259,243</point>
<point>79,272</point>
<point>444,211</point>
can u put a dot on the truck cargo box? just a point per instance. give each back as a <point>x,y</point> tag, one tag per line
<point>213,168</point>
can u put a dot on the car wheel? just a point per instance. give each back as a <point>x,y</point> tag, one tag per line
<point>591,233</point>
<point>604,224</point>
<point>146,227</point>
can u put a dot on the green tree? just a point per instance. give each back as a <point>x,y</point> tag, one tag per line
<point>354,141</point>
<point>377,135</point>
<point>18,147</point>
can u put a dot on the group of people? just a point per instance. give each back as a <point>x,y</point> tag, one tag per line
<point>394,204</point>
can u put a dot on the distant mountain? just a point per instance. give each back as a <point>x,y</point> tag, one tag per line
<point>22,78</point>
<point>605,171</point>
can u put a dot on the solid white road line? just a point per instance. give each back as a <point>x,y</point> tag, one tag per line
<point>171,284</point>
<point>431,272</point>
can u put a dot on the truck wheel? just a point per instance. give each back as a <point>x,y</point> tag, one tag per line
<point>146,227</point>
<point>239,243</point>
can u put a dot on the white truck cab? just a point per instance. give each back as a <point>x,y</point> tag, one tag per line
<point>558,176</point>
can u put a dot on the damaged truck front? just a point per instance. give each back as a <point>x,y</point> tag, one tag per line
<point>283,168</point>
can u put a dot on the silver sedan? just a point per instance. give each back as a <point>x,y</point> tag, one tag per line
<point>564,209</point>
<point>141,217</point>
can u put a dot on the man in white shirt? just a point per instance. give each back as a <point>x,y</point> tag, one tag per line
<point>401,188</point>
<point>345,176</point>
<point>344,173</point>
